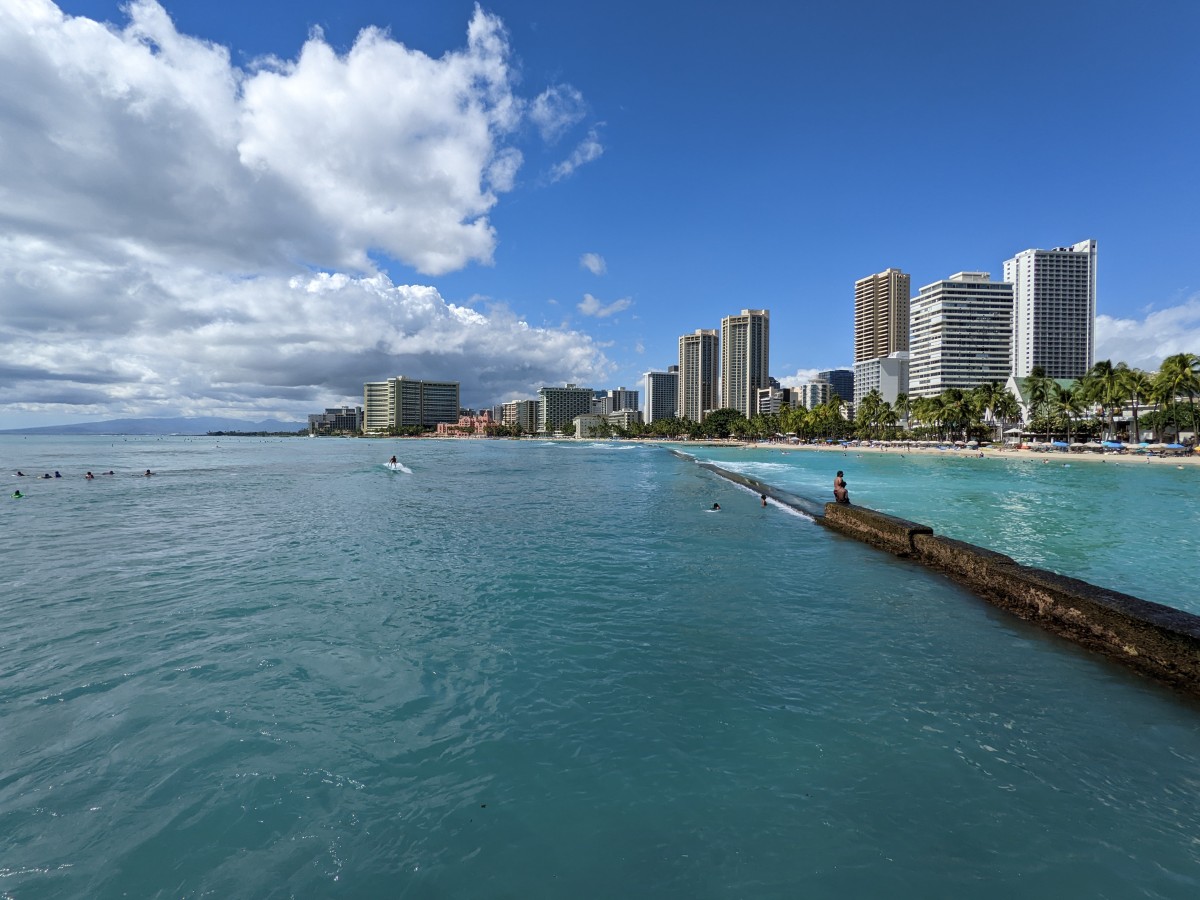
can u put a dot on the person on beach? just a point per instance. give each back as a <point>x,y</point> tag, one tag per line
<point>840,494</point>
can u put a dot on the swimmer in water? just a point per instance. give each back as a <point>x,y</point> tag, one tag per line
<point>148,474</point>
<point>17,495</point>
<point>57,474</point>
<point>89,476</point>
<point>763,498</point>
<point>716,506</point>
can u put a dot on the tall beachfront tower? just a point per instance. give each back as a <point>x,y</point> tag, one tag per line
<point>961,334</point>
<point>401,402</point>
<point>745,359</point>
<point>1054,310</point>
<point>880,315</point>
<point>699,369</point>
<point>558,406</point>
<point>662,394</point>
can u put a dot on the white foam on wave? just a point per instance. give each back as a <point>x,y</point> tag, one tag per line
<point>773,502</point>
<point>398,467</point>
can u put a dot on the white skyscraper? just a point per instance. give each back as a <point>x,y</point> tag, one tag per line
<point>745,359</point>
<point>961,334</point>
<point>1054,310</point>
<point>662,394</point>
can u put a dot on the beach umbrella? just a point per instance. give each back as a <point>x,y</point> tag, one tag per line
<point>1174,447</point>
<point>972,443</point>
<point>960,443</point>
<point>1060,444</point>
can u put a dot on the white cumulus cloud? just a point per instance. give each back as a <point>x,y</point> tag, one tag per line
<point>589,149</point>
<point>163,212</point>
<point>590,306</point>
<point>594,263</point>
<point>556,109</point>
<point>1145,343</point>
<point>801,376</point>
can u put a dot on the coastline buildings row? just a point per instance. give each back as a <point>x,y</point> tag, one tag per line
<point>967,330</point>
<point>403,402</point>
<point>959,332</point>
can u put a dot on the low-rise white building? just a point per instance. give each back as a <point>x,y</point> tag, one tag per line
<point>888,375</point>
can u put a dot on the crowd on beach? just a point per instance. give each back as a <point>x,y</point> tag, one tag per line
<point>1174,454</point>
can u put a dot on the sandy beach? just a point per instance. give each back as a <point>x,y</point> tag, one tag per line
<point>1051,457</point>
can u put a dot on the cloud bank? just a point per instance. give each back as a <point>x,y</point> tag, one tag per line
<point>1145,343</point>
<point>165,217</point>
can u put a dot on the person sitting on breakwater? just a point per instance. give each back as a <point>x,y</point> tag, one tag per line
<point>840,494</point>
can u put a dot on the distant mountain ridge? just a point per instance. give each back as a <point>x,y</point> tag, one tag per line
<point>177,425</point>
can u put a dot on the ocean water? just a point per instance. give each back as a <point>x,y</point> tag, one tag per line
<point>278,669</point>
<point>1122,523</point>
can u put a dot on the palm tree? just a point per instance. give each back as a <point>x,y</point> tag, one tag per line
<point>1038,385</point>
<point>1007,409</point>
<point>1103,384</point>
<point>1067,403</point>
<point>986,396</point>
<point>902,406</point>
<point>1180,375</point>
<point>1138,387</point>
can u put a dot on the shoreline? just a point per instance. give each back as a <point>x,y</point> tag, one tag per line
<point>986,453</point>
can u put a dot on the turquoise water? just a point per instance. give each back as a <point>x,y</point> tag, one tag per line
<point>278,669</point>
<point>1124,523</point>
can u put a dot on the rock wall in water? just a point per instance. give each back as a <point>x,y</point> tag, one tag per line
<point>1157,640</point>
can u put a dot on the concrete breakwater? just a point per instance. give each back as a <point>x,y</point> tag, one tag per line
<point>1154,639</point>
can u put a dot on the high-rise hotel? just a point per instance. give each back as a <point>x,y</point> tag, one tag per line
<point>699,371</point>
<point>880,315</point>
<point>961,334</point>
<point>1054,310</point>
<point>881,335</point>
<point>401,402</point>
<point>662,394</point>
<point>745,359</point>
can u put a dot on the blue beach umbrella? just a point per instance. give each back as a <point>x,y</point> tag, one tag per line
<point>1060,444</point>
<point>1176,447</point>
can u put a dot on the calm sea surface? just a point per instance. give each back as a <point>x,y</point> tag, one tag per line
<point>278,669</point>
<point>1122,523</point>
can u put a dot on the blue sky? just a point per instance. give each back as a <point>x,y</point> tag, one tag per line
<point>226,254</point>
